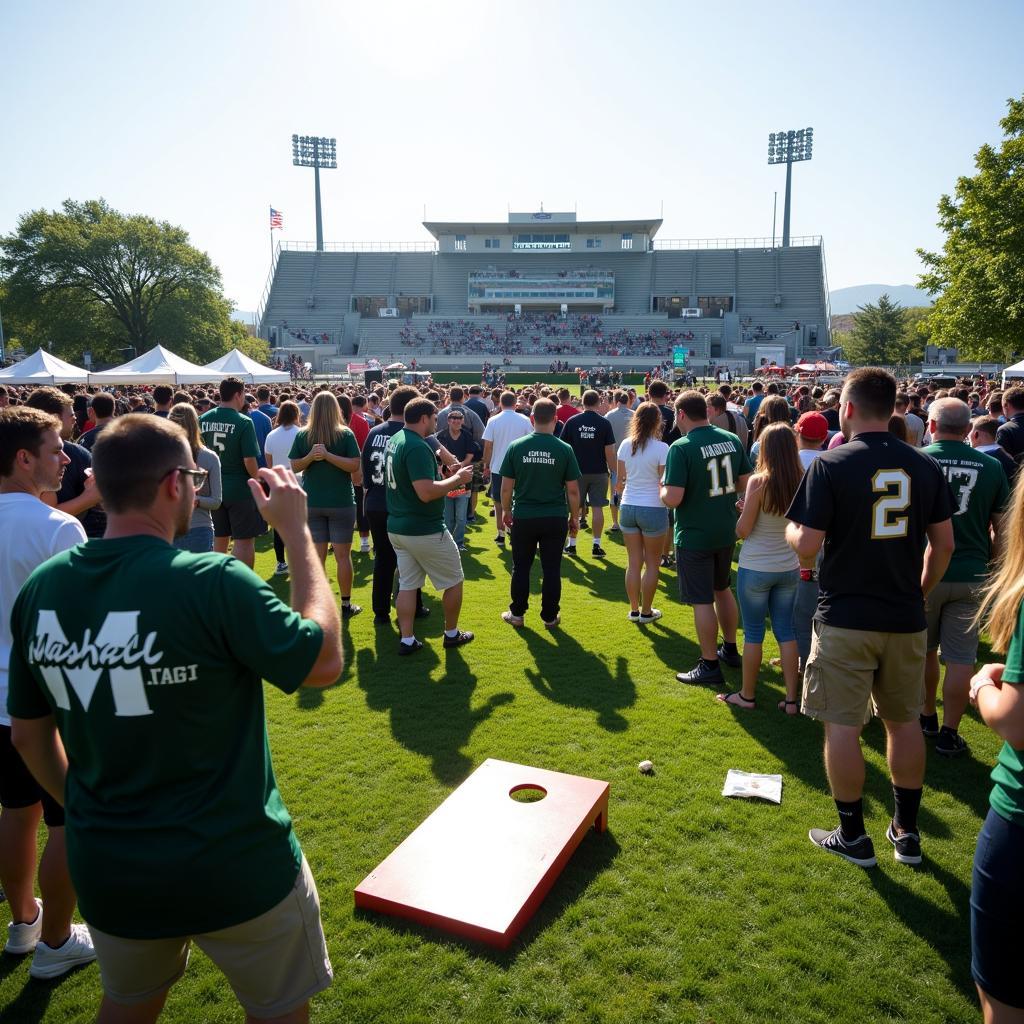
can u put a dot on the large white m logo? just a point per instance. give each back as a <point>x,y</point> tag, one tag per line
<point>115,649</point>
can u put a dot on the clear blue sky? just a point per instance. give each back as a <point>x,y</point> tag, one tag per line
<point>185,111</point>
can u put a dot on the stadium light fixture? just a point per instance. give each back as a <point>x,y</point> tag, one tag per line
<point>789,147</point>
<point>318,152</point>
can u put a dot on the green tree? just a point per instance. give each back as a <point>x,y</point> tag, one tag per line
<point>878,335</point>
<point>979,275</point>
<point>88,278</point>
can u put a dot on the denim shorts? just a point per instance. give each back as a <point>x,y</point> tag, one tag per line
<point>645,519</point>
<point>764,594</point>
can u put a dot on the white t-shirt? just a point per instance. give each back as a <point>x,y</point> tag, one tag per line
<point>30,533</point>
<point>643,472</point>
<point>501,431</point>
<point>808,455</point>
<point>279,444</point>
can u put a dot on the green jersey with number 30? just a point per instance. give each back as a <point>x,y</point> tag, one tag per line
<point>233,437</point>
<point>708,463</point>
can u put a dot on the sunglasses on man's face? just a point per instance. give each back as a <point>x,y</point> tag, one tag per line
<point>198,475</point>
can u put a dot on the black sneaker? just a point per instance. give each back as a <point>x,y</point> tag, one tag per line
<point>703,674</point>
<point>929,724</point>
<point>906,845</point>
<point>599,552</point>
<point>950,743</point>
<point>350,610</point>
<point>570,550</point>
<point>500,540</point>
<point>732,658</point>
<point>460,638</point>
<point>422,613</point>
<point>406,649</point>
<point>860,851</point>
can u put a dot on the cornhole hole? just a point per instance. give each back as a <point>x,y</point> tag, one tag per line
<point>482,863</point>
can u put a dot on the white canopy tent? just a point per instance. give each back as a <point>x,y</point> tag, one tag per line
<point>157,366</point>
<point>1015,372</point>
<point>238,364</point>
<point>43,368</point>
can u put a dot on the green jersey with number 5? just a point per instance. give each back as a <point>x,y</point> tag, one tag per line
<point>233,437</point>
<point>708,463</point>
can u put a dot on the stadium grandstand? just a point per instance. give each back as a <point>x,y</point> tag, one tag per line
<point>543,287</point>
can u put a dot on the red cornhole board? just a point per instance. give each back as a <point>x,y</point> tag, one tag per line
<point>481,864</point>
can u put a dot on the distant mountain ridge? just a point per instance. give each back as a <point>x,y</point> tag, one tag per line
<point>846,300</point>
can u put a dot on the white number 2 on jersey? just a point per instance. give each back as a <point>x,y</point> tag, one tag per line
<point>885,523</point>
<point>717,490</point>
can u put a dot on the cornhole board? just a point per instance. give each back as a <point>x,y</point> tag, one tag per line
<point>482,863</point>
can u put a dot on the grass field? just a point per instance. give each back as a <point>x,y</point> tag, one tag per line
<point>692,907</point>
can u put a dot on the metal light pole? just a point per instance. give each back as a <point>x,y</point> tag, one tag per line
<point>789,148</point>
<point>316,152</point>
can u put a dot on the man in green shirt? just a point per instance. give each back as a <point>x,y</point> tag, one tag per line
<point>704,471</point>
<point>233,437</point>
<point>176,830</point>
<point>538,473</point>
<point>980,493</point>
<point>415,497</point>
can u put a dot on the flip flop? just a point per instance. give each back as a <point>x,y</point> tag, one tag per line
<point>785,705</point>
<point>727,698</point>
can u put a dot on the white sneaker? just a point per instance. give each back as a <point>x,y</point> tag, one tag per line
<point>22,938</point>
<point>282,569</point>
<point>651,616</point>
<point>52,963</point>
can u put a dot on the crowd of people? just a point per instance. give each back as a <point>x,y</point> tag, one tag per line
<point>881,529</point>
<point>293,365</point>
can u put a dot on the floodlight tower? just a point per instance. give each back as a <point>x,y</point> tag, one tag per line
<point>316,152</point>
<point>788,148</point>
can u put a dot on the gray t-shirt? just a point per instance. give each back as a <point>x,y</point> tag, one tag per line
<point>210,494</point>
<point>619,418</point>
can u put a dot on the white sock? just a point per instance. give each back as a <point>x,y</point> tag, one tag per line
<point>452,632</point>
<point>409,640</point>
<point>597,540</point>
<point>572,542</point>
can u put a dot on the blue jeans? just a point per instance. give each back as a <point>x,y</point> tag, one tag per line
<point>455,512</point>
<point>199,539</point>
<point>803,613</point>
<point>763,594</point>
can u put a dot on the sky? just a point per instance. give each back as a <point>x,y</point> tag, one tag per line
<point>185,112</point>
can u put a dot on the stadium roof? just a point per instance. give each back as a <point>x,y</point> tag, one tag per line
<point>584,227</point>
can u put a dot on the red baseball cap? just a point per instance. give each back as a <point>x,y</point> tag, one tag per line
<point>813,426</point>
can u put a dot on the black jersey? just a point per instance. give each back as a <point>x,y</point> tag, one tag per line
<point>875,498</point>
<point>374,448</point>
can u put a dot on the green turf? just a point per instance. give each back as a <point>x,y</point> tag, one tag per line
<point>691,907</point>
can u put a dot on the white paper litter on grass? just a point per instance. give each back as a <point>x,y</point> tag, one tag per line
<point>753,786</point>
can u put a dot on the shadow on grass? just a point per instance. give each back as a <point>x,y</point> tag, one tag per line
<point>594,855</point>
<point>30,1005</point>
<point>947,929</point>
<point>569,674</point>
<point>433,719</point>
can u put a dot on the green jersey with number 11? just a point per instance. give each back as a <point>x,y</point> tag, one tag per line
<point>708,463</point>
<point>233,437</point>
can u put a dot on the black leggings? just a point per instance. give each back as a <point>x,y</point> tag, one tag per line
<point>278,547</point>
<point>385,565</point>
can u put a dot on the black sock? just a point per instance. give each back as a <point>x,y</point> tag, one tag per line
<point>346,600</point>
<point>908,802</point>
<point>851,818</point>
<point>730,648</point>
<point>710,663</point>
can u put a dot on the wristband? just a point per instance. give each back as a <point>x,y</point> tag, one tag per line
<point>975,690</point>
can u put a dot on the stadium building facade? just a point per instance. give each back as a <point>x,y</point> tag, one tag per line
<point>544,286</point>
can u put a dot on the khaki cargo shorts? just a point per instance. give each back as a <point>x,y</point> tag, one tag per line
<point>851,672</point>
<point>434,554</point>
<point>950,610</point>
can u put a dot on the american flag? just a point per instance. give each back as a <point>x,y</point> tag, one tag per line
<point>275,220</point>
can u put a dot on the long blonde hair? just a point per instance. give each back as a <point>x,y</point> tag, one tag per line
<point>185,416</point>
<point>1005,588</point>
<point>325,421</point>
<point>778,462</point>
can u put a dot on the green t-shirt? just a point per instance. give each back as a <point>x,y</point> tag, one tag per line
<point>175,825</point>
<point>708,463</point>
<point>407,458</point>
<point>541,465</point>
<point>979,489</point>
<point>233,437</point>
<point>327,486</point>
<point>1007,797</point>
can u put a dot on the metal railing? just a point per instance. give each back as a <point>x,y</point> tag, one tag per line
<point>662,244</point>
<point>261,308</point>
<point>361,246</point>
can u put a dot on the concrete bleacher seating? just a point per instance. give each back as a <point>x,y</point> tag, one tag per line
<point>771,288</point>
